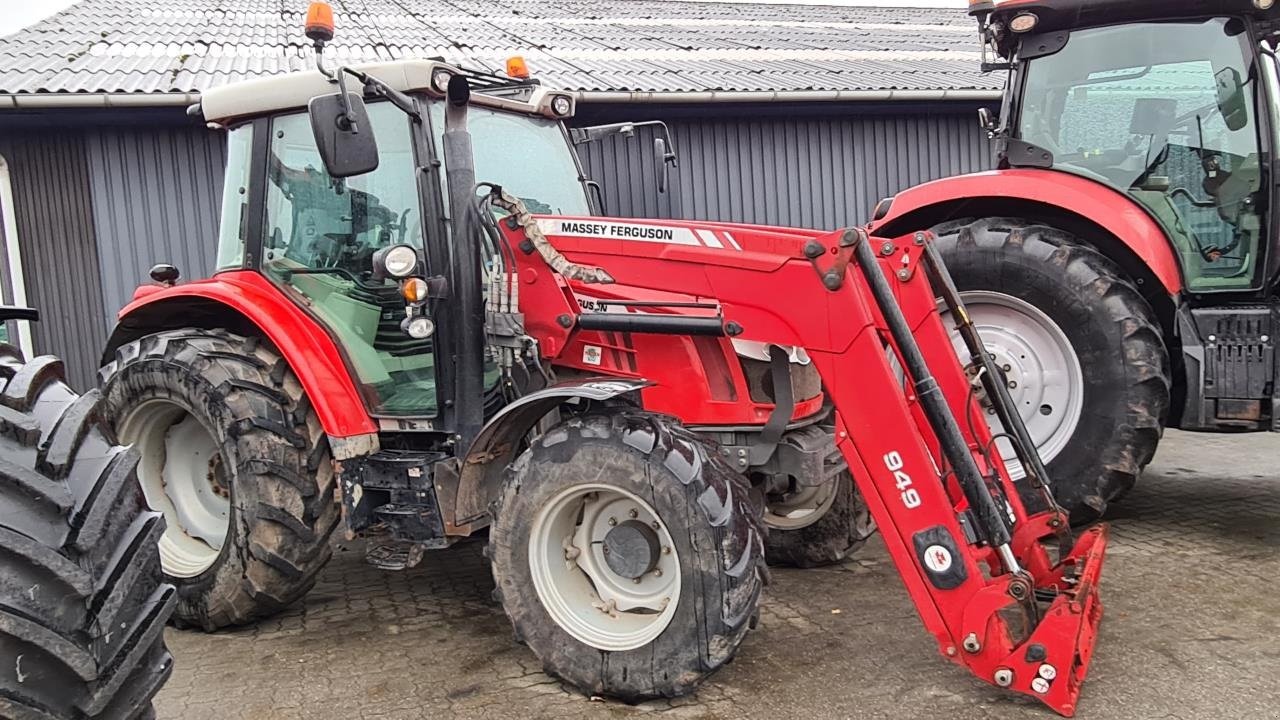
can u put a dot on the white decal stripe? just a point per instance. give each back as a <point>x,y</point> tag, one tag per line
<point>732,242</point>
<point>709,238</point>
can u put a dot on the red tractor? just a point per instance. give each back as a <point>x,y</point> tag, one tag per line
<point>393,347</point>
<point>1122,262</point>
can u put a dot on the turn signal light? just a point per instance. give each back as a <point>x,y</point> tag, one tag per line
<point>320,22</point>
<point>517,68</point>
<point>414,290</point>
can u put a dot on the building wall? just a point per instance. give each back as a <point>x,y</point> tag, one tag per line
<point>53,216</point>
<point>103,205</point>
<point>816,171</point>
<point>156,194</point>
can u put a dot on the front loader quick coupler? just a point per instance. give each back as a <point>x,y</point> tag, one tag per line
<point>1047,661</point>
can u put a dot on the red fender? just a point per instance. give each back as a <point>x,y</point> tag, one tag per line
<point>1112,210</point>
<point>311,353</point>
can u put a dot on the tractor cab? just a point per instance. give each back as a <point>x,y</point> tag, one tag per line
<point>315,235</point>
<point>1169,103</point>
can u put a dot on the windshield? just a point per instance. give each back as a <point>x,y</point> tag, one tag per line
<point>320,236</point>
<point>529,156</point>
<point>1165,113</point>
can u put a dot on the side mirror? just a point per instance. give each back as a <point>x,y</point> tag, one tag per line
<point>1232,102</point>
<point>666,160</point>
<point>343,134</point>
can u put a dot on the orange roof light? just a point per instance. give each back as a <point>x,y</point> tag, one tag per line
<point>320,22</point>
<point>517,68</point>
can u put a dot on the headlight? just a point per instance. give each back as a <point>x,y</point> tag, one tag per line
<point>561,105</point>
<point>414,290</point>
<point>1026,22</point>
<point>418,328</point>
<point>397,261</point>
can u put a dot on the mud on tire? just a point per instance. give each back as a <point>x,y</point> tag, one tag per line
<point>1112,330</point>
<point>273,454</point>
<point>717,532</point>
<point>841,531</point>
<point>82,599</point>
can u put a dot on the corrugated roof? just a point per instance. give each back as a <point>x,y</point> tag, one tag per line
<point>185,46</point>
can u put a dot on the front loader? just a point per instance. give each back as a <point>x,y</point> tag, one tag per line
<point>395,344</point>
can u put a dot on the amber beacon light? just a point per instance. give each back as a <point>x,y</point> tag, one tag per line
<point>320,22</point>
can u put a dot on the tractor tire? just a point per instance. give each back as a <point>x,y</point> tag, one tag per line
<point>842,528</point>
<point>249,499</point>
<point>1025,280</point>
<point>82,599</point>
<point>560,586</point>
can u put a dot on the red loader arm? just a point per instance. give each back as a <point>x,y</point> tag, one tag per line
<point>1003,591</point>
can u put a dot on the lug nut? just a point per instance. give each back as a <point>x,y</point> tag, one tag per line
<point>666,549</point>
<point>656,525</point>
<point>636,580</point>
<point>1004,677</point>
<point>613,521</point>
<point>1013,384</point>
<point>633,514</point>
<point>657,572</point>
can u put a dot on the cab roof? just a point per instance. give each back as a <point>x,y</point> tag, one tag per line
<point>292,91</point>
<point>1070,14</point>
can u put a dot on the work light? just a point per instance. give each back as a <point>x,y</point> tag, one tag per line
<point>397,261</point>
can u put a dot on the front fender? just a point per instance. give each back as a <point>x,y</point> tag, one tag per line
<point>498,442</point>
<point>305,345</point>
<point>1110,209</point>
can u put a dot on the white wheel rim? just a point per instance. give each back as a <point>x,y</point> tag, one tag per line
<point>802,507</point>
<point>575,582</point>
<point>182,478</point>
<point>1043,370</point>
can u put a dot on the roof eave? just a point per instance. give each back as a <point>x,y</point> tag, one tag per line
<point>21,101</point>
<point>9,101</point>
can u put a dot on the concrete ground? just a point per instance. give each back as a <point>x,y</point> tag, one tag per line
<point>1192,630</point>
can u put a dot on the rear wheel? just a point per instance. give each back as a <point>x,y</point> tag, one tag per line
<point>811,526</point>
<point>642,550</point>
<point>235,459</point>
<point>82,599</point>
<point>1081,348</point>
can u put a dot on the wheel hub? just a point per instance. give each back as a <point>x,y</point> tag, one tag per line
<point>183,476</point>
<point>631,549</point>
<point>1041,370</point>
<point>605,566</point>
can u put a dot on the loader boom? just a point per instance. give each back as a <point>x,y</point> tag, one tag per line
<point>1004,592</point>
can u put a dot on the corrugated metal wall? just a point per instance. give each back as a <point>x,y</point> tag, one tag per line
<point>156,195</point>
<point>820,172</point>
<point>156,190</point>
<point>54,218</point>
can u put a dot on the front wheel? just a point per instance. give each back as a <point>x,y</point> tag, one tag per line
<point>627,555</point>
<point>1080,347</point>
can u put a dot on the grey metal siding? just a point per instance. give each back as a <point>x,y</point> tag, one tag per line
<point>821,172</point>
<point>156,196</point>
<point>54,219</point>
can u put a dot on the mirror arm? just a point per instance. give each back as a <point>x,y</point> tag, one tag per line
<point>346,103</point>
<point>403,102</point>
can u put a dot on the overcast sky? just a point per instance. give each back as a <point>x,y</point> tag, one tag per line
<point>17,14</point>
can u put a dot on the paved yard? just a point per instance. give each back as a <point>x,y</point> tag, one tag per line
<point>1192,630</point>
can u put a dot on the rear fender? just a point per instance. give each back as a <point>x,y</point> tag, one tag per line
<point>1141,246</point>
<point>245,302</point>
<point>498,443</point>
